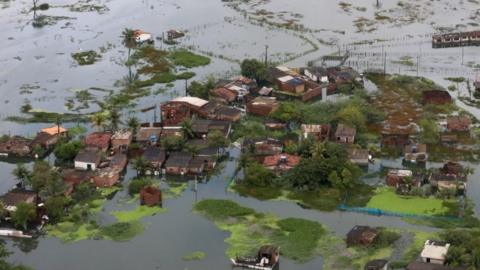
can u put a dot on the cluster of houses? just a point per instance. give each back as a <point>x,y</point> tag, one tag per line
<point>44,141</point>
<point>432,256</point>
<point>311,82</point>
<point>270,152</point>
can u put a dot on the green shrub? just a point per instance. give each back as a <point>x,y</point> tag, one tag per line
<point>222,209</point>
<point>137,184</point>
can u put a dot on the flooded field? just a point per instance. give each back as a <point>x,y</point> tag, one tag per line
<point>37,68</point>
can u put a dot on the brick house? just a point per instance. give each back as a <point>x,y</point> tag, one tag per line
<point>106,177</point>
<point>100,140</point>
<point>121,139</point>
<point>262,106</point>
<point>317,132</point>
<point>150,196</point>
<point>177,163</point>
<point>16,146</point>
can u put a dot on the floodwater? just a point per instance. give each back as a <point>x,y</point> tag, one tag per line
<point>39,60</point>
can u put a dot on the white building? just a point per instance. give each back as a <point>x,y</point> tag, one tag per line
<point>434,252</point>
<point>88,159</point>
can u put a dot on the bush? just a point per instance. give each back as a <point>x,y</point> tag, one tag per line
<point>121,231</point>
<point>385,238</point>
<point>137,184</point>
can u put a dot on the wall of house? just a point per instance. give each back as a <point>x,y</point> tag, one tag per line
<point>84,165</point>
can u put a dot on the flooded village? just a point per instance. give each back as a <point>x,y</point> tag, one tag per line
<point>239,134</point>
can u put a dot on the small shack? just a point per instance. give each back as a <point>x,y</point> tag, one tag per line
<point>281,163</point>
<point>262,106</point>
<point>15,146</point>
<point>150,196</point>
<point>345,134</point>
<point>317,132</point>
<point>121,139</point>
<point>415,153</point>
<point>458,123</point>
<point>100,140</point>
<point>434,252</point>
<point>359,157</point>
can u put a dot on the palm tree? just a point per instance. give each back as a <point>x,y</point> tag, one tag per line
<point>22,174</point>
<point>133,123</point>
<point>128,38</point>
<point>140,165</point>
<point>187,128</point>
<point>115,119</point>
<point>99,120</point>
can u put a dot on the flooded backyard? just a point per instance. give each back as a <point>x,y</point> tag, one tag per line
<point>37,68</point>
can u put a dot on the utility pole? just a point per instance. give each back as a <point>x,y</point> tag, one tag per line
<point>463,54</point>
<point>266,55</point>
<point>418,61</point>
<point>186,87</point>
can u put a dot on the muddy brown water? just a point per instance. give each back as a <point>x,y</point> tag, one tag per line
<point>39,59</point>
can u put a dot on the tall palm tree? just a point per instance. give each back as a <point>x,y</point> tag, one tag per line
<point>22,174</point>
<point>187,128</point>
<point>115,119</point>
<point>99,120</point>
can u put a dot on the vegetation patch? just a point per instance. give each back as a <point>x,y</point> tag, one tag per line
<point>86,58</point>
<point>188,59</point>
<point>194,256</point>
<point>137,214</point>
<point>386,199</point>
<point>121,231</point>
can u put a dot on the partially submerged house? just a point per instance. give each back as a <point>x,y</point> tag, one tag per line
<point>12,198</point>
<point>88,159</point>
<point>316,132</point>
<point>118,161</point>
<point>100,140</point>
<point>360,157</point>
<point>415,153</point>
<point>281,163</point>
<point>436,97</point>
<point>361,236</point>
<point>345,134</point>
<point>434,252</point>
<point>48,137</point>
<point>175,111</point>
<point>150,196</point>
<point>142,37</point>
<point>155,157</point>
<point>262,106</point>
<point>174,34</point>
<point>76,177</point>
<point>148,135</point>
<point>15,146</point>
<point>197,165</point>
<point>121,139</point>
<point>177,163</point>
<point>404,180</point>
<point>201,127</point>
<point>458,123</point>
<point>106,177</point>
<point>224,94</point>
<point>262,147</point>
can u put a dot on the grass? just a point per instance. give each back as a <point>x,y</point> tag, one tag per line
<point>175,189</point>
<point>194,256</point>
<point>137,214</point>
<point>222,209</point>
<point>188,59</point>
<point>386,199</point>
<point>69,232</point>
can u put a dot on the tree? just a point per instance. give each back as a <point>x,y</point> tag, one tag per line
<point>201,90</point>
<point>216,138</point>
<point>140,165</point>
<point>114,118</point>
<point>84,192</point>
<point>430,133</point>
<point>352,116</point>
<point>54,186</point>
<point>254,69</point>
<point>99,120</point>
<point>257,175</point>
<point>287,112</point>
<point>24,213</point>
<point>133,124</point>
<point>22,174</point>
<point>187,129</point>
<point>67,151</point>
<point>128,39</point>
<point>172,143</point>
<point>40,175</point>
<point>55,207</point>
